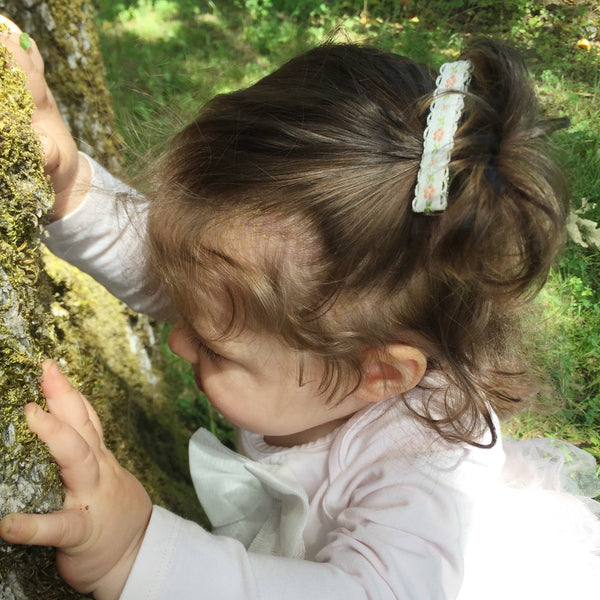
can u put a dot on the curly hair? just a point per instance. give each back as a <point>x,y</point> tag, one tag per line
<point>321,158</point>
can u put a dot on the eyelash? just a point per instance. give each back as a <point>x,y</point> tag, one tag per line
<point>210,353</point>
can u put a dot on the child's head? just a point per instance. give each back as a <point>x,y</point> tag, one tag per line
<point>286,208</point>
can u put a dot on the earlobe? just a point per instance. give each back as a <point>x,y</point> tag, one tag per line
<point>392,369</point>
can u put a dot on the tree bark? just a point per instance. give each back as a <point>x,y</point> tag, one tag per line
<point>67,38</point>
<point>49,309</point>
<point>29,480</point>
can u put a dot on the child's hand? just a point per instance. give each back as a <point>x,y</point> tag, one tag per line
<point>68,172</point>
<point>101,526</point>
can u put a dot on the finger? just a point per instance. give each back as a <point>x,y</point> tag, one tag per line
<point>13,27</point>
<point>13,38</point>
<point>68,404</point>
<point>30,61</point>
<point>34,54</point>
<point>94,419</point>
<point>75,457</point>
<point>62,529</point>
<point>49,148</point>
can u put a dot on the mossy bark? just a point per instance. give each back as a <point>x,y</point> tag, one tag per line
<point>29,480</point>
<point>67,38</point>
<point>49,309</point>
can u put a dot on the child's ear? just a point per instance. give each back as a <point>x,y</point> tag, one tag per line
<point>393,369</point>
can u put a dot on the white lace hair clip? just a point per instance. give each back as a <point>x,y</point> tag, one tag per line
<point>431,192</point>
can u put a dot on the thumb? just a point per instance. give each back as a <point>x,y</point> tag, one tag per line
<point>61,529</point>
<point>49,148</point>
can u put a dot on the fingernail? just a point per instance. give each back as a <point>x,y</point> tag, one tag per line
<point>49,367</point>
<point>7,525</point>
<point>33,411</point>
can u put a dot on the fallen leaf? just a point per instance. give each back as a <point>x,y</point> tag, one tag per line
<point>25,41</point>
<point>584,43</point>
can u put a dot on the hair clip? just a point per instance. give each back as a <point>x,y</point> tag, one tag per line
<point>431,191</point>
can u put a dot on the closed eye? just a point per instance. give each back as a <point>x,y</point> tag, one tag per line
<point>212,355</point>
<point>200,345</point>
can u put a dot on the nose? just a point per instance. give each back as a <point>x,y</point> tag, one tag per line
<point>181,343</point>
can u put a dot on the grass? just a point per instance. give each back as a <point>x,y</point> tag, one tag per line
<point>164,58</point>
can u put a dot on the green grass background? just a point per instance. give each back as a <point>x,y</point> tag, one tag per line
<point>164,58</point>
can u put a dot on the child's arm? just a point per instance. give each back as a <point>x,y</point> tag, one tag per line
<point>101,234</point>
<point>105,237</point>
<point>106,510</point>
<point>69,172</point>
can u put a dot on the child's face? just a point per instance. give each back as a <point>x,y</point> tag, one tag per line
<point>252,379</point>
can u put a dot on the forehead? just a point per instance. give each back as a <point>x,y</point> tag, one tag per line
<point>233,273</point>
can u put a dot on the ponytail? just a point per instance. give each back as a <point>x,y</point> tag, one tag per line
<point>328,148</point>
<point>494,244</point>
<point>508,200</point>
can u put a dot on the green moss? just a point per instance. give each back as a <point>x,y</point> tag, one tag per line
<point>67,38</point>
<point>29,479</point>
<point>49,309</point>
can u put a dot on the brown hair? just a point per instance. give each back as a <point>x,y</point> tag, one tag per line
<point>321,158</point>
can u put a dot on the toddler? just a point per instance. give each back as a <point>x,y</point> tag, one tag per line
<point>346,245</point>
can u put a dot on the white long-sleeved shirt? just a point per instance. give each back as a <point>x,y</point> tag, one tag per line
<point>390,503</point>
<point>104,236</point>
<point>389,512</point>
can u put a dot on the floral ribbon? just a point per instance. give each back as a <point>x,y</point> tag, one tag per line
<point>431,192</point>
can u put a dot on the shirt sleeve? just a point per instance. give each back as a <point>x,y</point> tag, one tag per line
<point>105,237</point>
<point>179,559</point>
<point>402,541</point>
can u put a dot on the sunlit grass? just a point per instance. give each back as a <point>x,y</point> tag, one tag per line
<point>566,346</point>
<point>151,21</point>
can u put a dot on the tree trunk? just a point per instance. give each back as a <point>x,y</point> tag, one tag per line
<point>49,309</point>
<point>67,38</point>
<point>29,480</point>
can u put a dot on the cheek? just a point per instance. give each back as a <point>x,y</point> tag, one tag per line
<point>228,405</point>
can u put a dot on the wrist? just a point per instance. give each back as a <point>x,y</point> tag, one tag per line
<point>111,586</point>
<point>71,196</point>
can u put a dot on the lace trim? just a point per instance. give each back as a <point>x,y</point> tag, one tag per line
<point>431,192</point>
